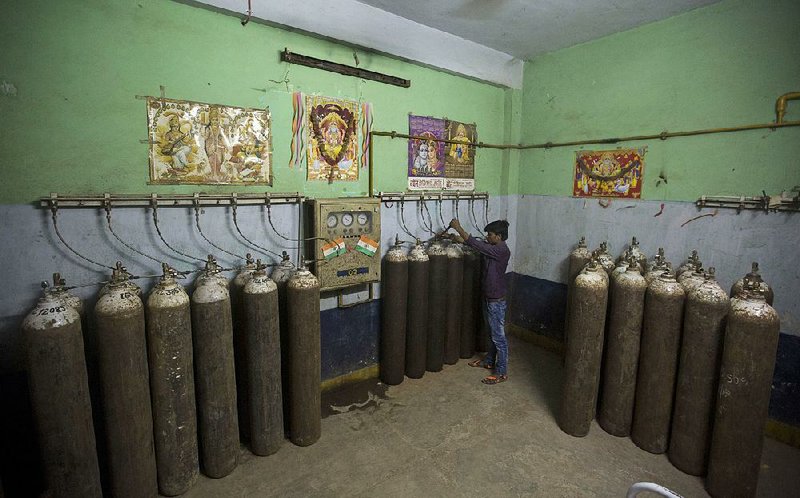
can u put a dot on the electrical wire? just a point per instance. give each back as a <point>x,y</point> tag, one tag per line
<point>197,223</point>
<point>158,230</point>
<point>76,253</point>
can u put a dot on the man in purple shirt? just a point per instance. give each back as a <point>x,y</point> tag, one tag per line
<point>495,260</point>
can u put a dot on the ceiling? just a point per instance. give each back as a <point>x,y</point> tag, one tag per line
<point>527,28</point>
<point>487,40</point>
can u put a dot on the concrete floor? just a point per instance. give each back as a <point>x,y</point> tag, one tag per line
<point>449,435</point>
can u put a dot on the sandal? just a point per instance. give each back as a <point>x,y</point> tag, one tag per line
<point>495,379</point>
<point>480,364</point>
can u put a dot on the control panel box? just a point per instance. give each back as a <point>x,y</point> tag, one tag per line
<point>346,250</point>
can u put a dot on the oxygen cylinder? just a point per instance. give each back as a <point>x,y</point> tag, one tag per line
<point>437,306</point>
<point>240,344</point>
<point>584,350</point>
<point>394,291</point>
<point>125,390</point>
<point>622,266</point>
<point>454,286</point>
<point>215,377</point>
<point>263,355</point>
<point>483,338</point>
<point>748,361</point>
<point>281,275</point>
<point>59,291</point>
<point>605,259</point>
<point>578,259</point>
<point>739,285</point>
<point>701,348</point>
<point>658,258</point>
<point>622,350</point>
<point>469,302</point>
<point>689,265</point>
<point>658,363</point>
<point>59,391</point>
<point>121,275</point>
<point>417,323</point>
<point>305,424</point>
<point>657,266</point>
<point>636,252</point>
<point>169,348</point>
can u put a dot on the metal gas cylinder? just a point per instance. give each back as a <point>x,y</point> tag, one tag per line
<point>737,287</point>
<point>305,424</point>
<point>622,350</point>
<point>701,348</point>
<point>121,275</point>
<point>604,258</point>
<point>59,391</point>
<point>417,321</point>
<point>636,252</point>
<point>622,266</point>
<point>59,291</point>
<point>578,259</point>
<point>262,341</point>
<point>748,361</point>
<point>470,302</point>
<point>169,348</point>
<point>689,265</point>
<point>281,275</point>
<point>483,337</point>
<point>584,350</point>
<point>394,291</point>
<point>692,278</point>
<point>454,285</point>
<point>658,258</point>
<point>658,363</point>
<point>214,372</point>
<point>125,390</point>
<point>240,344</point>
<point>437,306</point>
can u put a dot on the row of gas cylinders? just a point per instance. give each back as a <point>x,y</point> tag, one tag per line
<point>675,363</point>
<point>431,312</point>
<point>168,370</point>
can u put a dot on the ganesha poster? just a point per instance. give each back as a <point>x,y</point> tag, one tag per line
<point>609,173</point>
<point>332,137</point>
<point>197,143</point>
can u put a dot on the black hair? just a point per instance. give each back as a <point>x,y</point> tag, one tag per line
<point>500,227</point>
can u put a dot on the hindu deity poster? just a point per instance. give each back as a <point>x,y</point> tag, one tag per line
<point>460,156</point>
<point>609,173</point>
<point>332,137</point>
<point>197,143</point>
<point>426,155</point>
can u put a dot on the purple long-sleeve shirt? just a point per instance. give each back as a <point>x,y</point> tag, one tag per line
<point>495,261</point>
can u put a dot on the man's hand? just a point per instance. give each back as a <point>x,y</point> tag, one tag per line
<point>454,223</point>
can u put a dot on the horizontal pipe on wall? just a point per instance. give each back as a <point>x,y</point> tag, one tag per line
<point>168,200</point>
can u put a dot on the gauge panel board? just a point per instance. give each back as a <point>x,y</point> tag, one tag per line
<point>348,221</point>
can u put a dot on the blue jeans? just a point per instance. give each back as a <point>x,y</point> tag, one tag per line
<point>494,314</point>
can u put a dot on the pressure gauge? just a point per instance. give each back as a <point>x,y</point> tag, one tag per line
<point>347,219</point>
<point>332,221</point>
<point>362,218</point>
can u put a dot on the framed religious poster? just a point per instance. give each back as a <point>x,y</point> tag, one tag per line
<point>609,173</point>
<point>459,159</point>
<point>425,154</point>
<point>332,137</point>
<point>207,144</point>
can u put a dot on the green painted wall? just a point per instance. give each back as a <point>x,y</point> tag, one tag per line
<point>74,125</point>
<point>719,66</point>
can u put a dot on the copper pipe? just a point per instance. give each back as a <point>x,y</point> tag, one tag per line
<point>549,145</point>
<point>780,104</point>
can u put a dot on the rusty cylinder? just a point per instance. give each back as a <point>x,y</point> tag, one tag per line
<point>737,287</point>
<point>394,290</point>
<point>262,341</point>
<point>656,269</point>
<point>605,259</point>
<point>692,278</point>
<point>417,321</point>
<point>689,265</point>
<point>214,373</point>
<point>636,252</point>
<point>701,349</point>
<point>281,275</point>
<point>745,380</point>
<point>622,351</point>
<point>658,258</point>
<point>59,391</point>
<point>437,306</point>
<point>469,302</point>
<point>578,259</point>
<point>454,285</point>
<point>169,354</point>
<point>584,350</point>
<point>305,410</point>
<point>125,390</point>
<point>240,344</point>
<point>658,363</point>
<point>483,337</point>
